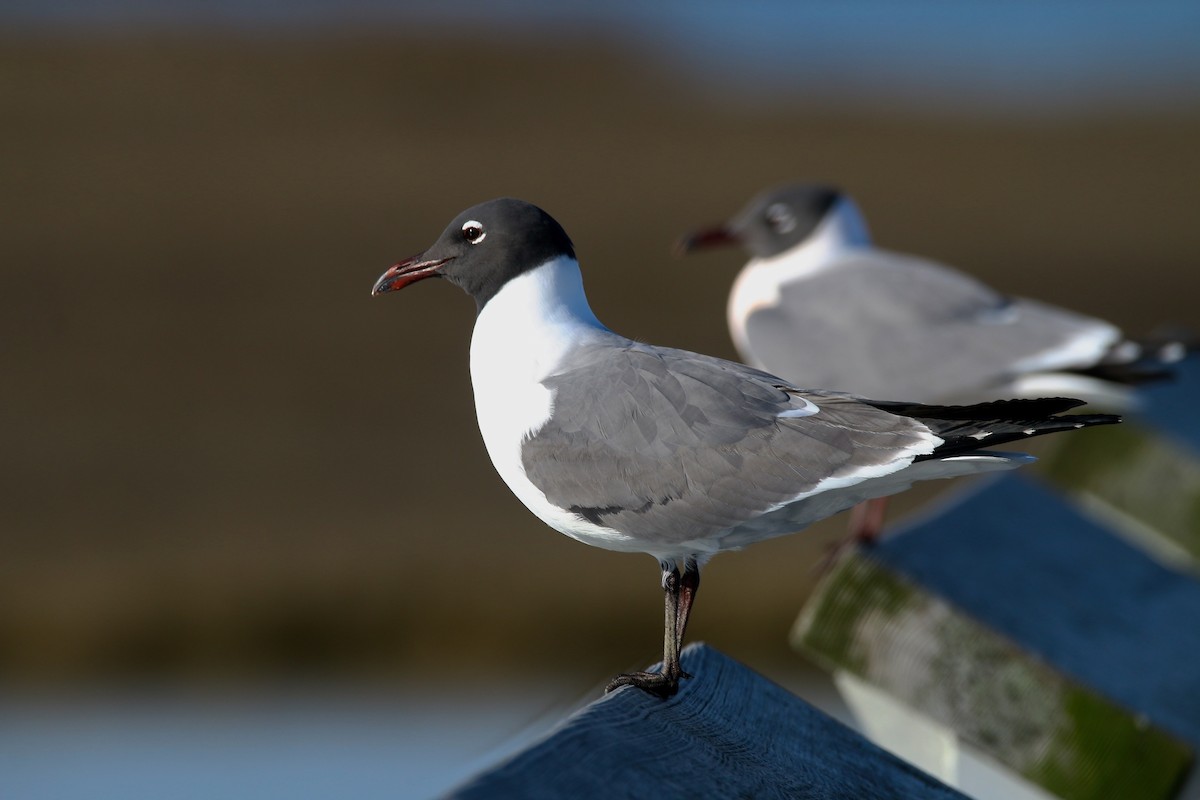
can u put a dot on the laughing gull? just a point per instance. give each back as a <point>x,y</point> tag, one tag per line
<point>819,305</point>
<point>636,448</point>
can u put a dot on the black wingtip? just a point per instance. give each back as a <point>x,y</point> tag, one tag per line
<point>965,429</point>
<point>1088,420</point>
<point>1017,409</point>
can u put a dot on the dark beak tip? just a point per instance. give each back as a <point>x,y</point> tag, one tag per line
<point>407,272</point>
<point>384,284</point>
<point>681,247</point>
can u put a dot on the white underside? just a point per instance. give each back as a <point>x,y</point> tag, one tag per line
<point>828,499</point>
<point>1083,350</point>
<point>1096,391</point>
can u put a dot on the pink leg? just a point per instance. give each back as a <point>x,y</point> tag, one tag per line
<point>866,523</point>
<point>866,520</point>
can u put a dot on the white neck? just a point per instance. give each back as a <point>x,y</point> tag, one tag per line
<point>524,334</point>
<point>532,321</point>
<point>757,285</point>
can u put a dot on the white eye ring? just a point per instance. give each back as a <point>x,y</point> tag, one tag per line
<point>473,231</point>
<point>781,218</point>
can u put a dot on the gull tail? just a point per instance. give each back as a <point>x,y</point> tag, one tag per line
<point>965,429</point>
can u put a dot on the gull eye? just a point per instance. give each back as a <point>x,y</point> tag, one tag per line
<point>473,231</point>
<point>779,216</point>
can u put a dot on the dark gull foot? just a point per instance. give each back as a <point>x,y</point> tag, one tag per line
<point>656,683</point>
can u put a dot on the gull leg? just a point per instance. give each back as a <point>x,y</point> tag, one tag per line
<point>665,682</point>
<point>866,524</point>
<point>689,586</point>
<point>866,520</point>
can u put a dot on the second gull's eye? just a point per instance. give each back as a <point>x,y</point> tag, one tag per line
<point>780,218</point>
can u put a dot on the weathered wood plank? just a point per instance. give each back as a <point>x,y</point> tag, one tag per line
<point>1143,477</point>
<point>1033,632</point>
<point>1140,482</point>
<point>728,733</point>
<point>1026,563</point>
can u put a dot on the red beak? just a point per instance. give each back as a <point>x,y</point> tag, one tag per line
<point>704,238</point>
<point>410,270</point>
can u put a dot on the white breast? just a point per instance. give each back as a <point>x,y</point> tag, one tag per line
<point>523,335</point>
<point>757,285</point>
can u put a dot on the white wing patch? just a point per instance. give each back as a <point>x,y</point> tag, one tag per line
<point>807,410</point>
<point>1007,314</point>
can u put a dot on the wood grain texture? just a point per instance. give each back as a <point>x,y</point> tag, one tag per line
<point>729,733</point>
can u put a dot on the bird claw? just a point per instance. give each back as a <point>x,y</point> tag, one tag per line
<point>656,683</point>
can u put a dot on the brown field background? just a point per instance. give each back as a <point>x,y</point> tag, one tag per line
<point>222,460</point>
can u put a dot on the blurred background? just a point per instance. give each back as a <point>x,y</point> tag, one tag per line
<point>241,495</point>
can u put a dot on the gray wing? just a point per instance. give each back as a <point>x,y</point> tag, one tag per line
<point>671,446</point>
<point>883,325</point>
